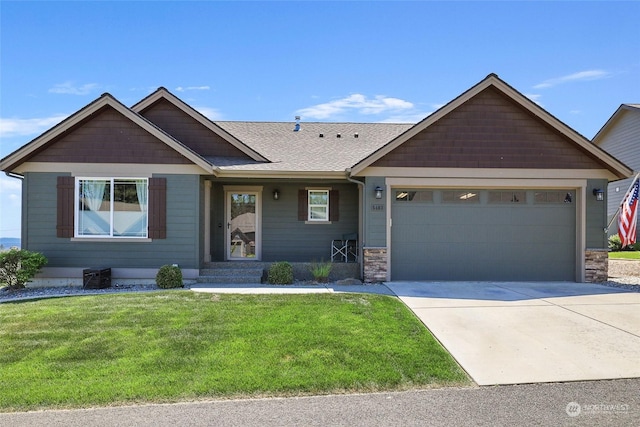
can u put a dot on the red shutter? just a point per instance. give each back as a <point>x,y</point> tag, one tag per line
<point>157,208</point>
<point>302,205</point>
<point>66,190</point>
<point>334,205</point>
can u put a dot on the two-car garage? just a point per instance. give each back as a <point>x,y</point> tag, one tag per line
<point>483,234</point>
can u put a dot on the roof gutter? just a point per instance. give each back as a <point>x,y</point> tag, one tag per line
<point>363,217</point>
<point>14,175</point>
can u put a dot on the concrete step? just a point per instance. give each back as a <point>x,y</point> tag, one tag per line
<point>230,279</point>
<point>231,272</point>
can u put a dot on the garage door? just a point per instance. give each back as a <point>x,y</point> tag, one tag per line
<point>470,234</point>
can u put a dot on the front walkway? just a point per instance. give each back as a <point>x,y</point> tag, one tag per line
<point>510,333</point>
<point>289,289</point>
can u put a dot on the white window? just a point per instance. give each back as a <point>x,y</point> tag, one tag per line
<point>111,207</point>
<point>318,205</point>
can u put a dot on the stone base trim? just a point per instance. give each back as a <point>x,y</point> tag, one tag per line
<point>596,265</point>
<point>375,264</point>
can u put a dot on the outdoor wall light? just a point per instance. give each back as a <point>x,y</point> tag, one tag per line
<point>378,192</point>
<point>276,194</point>
<point>599,194</point>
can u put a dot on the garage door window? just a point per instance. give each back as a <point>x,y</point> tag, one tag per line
<point>553,197</point>
<point>499,197</point>
<point>419,196</point>
<point>461,196</point>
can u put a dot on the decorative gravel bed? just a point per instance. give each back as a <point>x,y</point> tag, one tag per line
<point>60,291</point>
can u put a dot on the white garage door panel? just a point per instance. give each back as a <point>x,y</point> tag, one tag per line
<point>483,241</point>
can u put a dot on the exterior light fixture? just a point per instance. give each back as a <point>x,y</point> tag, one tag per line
<point>378,192</point>
<point>276,194</point>
<point>599,194</point>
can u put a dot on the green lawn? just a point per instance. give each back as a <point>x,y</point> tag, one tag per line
<point>624,255</point>
<point>180,345</point>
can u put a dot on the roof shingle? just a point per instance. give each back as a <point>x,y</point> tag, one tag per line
<point>305,150</point>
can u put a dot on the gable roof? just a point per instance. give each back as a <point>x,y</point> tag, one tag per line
<point>609,124</point>
<point>162,93</point>
<point>317,149</point>
<point>21,155</point>
<point>492,80</point>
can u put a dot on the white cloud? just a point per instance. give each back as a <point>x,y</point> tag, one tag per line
<point>357,103</point>
<point>184,89</point>
<point>210,113</point>
<point>579,76</point>
<point>535,97</point>
<point>21,127</point>
<point>69,88</point>
<point>13,186</point>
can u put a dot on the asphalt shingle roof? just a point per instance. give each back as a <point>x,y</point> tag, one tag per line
<point>305,150</point>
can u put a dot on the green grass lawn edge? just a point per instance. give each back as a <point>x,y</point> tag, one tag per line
<point>625,255</point>
<point>175,346</point>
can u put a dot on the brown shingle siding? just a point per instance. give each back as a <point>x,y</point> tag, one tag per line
<point>108,137</point>
<point>189,131</point>
<point>489,131</point>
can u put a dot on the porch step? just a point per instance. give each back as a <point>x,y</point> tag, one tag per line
<point>230,273</point>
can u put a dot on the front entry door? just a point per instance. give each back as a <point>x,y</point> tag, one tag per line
<point>243,225</point>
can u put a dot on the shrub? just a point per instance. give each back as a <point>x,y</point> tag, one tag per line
<point>321,271</point>
<point>18,266</point>
<point>280,273</point>
<point>169,276</point>
<point>615,244</point>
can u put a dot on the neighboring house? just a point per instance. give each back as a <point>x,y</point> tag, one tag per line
<point>620,137</point>
<point>489,187</point>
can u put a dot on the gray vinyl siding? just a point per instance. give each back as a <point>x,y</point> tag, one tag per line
<point>375,220</point>
<point>596,216</point>
<point>284,238</point>
<point>623,142</point>
<point>615,193</point>
<point>180,247</point>
<point>623,139</point>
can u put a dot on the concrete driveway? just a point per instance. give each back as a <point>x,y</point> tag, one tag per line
<point>511,333</point>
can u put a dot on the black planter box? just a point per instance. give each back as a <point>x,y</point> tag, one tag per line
<point>96,278</point>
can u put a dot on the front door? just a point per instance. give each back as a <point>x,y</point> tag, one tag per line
<point>243,225</point>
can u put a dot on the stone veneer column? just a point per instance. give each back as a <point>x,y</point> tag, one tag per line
<point>596,265</point>
<point>375,264</point>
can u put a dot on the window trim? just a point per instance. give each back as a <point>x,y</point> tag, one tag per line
<point>110,236</point>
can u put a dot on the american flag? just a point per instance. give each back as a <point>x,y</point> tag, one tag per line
<point>628,215</point>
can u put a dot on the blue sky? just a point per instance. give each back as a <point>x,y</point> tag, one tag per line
<point>326,61</point>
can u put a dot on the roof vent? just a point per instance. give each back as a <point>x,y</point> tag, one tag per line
<point>322,135</point>
<point>339,136</point>
<point>297,126</point>
<point>355,135</point>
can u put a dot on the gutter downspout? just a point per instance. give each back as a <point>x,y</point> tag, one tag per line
<point>364,228</point>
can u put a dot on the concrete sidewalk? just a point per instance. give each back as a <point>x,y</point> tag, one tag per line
<point>289,289</point>
<point>510,333</point>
